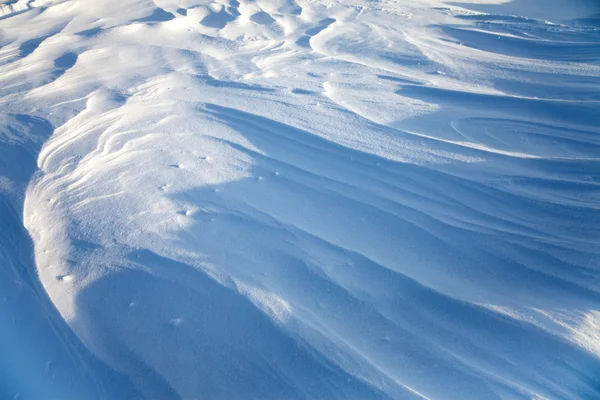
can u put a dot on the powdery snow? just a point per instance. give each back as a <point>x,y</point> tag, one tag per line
<point>299,199</point>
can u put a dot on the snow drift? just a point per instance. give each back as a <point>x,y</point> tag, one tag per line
<point>279,199</point>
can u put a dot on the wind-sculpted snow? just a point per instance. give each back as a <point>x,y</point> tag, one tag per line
<point>279,199</point>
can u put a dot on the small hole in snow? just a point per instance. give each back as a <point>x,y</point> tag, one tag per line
<point>64,278</point>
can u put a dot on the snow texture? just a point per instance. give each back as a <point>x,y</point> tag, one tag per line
<point>299,199</point>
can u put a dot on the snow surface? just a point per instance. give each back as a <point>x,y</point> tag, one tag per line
<point>299,199</point>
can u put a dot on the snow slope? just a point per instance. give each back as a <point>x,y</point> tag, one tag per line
<point>300,199</point>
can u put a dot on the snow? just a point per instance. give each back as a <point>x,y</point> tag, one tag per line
<point>299,199</point>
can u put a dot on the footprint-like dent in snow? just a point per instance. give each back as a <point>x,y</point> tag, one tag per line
<point>262,18</point>
<point>304,91</point>
<point>90,32</point>
<point>219,18</point>
<point>65,278</point>
<point>290,8</point>
<point>66,61</point>
<point>321,26</point>
<point>304,41</point>
<point>158,15</point>
<point>63,64</point>
<point>28,47</point>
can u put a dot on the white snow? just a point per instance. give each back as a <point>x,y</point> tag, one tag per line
<point>299,199</point>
